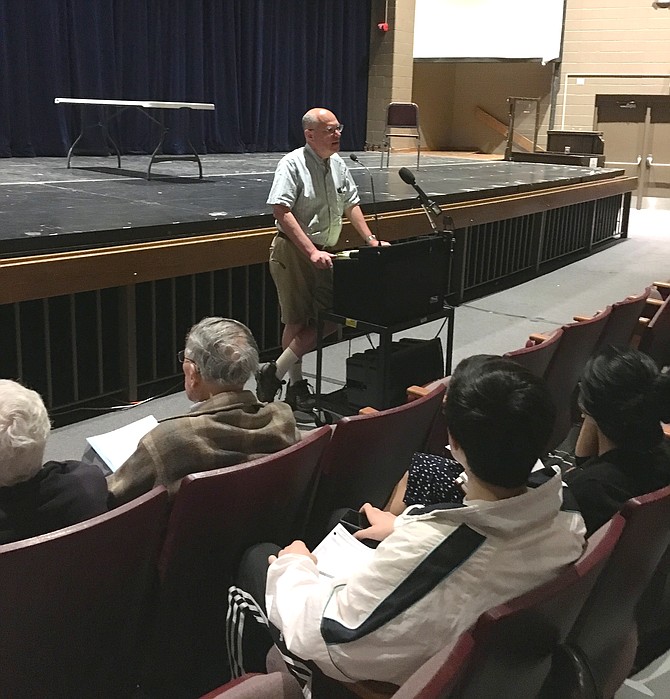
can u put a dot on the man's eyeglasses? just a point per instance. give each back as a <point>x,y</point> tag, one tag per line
<point>330,130</point>
<point>181,356</point>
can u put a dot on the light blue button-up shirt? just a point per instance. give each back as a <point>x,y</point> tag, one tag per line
<point>317,192</point>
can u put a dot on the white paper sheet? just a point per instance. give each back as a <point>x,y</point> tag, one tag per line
<point>340,554</point>
<point>116,446</point>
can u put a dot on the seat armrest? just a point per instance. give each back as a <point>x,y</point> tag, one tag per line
<point>414,392</point>
<point>367,411</point>
<point>651,306</point>
<point>636,337</point>
<point>663,289</point>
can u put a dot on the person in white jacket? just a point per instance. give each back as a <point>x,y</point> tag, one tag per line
<point>437,568</point>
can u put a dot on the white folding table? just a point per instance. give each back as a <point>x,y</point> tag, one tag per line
<point>143,105</point>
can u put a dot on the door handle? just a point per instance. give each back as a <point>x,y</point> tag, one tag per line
<point>639,160</point>
<point>649,160</point>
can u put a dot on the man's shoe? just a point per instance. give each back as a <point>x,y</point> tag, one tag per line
<point>267,383</point>
<point>299,396</point>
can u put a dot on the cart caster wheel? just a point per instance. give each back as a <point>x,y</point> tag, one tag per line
<point>322,417</point>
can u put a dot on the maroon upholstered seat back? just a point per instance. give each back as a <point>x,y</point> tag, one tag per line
<point>402,121</point>
<point>402,114</point>
<point>508,652</point>
<point>574,349</point>
<point>605,634</point>
<point>215,517</point>
<point>229,509</point>
<point>75,602</point>
<point>537,358</point>
<point>655,340</point>
<point>367,456</point>
<point>623,321</point>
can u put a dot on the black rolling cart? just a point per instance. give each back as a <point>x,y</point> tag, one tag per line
<point>385,290</point>
<point>378,385</point>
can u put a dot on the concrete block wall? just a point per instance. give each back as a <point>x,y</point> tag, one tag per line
<point>611,47</point>
<point>616,46</point>
<point>391,64</point>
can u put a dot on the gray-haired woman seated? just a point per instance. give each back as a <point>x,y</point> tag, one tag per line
<point>226,426</point>
<point>36,498</point>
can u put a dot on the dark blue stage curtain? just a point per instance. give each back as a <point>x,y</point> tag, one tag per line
<point>262,62</point>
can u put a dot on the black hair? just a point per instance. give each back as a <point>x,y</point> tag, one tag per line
<point>627,396</point>
<point>502,416</point>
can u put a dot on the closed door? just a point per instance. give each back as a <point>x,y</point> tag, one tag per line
<point>657,155</point>
<point>636,131</point>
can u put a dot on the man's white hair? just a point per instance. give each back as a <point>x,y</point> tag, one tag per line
<point>24,428</point>
<point>224,350</point>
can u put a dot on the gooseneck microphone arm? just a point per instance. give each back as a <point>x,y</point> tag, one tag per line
<point>431,209</point>
<point>407,176</point>
<point>354,157</point>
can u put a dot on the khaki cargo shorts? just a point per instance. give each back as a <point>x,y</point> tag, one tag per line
<point>303,289</point>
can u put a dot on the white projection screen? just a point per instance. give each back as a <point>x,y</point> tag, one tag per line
<point>488,29</point>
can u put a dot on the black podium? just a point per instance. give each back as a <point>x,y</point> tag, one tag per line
<point>393,283</point>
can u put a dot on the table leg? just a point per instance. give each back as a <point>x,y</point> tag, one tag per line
<point>74,143</point>
<point>158,157</point>
<point>196,156</point>
<point>155,155</point>
<point>108,138</point>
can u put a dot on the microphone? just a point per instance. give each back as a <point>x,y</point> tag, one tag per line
<point>407,176</point>
<point>354,157</point>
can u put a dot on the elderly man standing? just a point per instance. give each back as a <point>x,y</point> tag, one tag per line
<point>226,426</point>
<point>312,188</point>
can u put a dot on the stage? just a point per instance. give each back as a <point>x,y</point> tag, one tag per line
<point>102,271</point>
<point>48,208</point>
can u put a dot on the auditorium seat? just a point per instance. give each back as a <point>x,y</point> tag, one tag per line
<point>437,441</point>
<point>508,652</point>
<point>367,456</point>
<point>601,647</point>
<point>624,321</point>
<point>515,641</point>
<point>215,517</point>
<point>655,338</point>
<point>75,602</point>
<point>574,349</point>
<point>536,358</point>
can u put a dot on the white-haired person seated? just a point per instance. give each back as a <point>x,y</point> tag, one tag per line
<point>37,498</point>
<point>227,425</point>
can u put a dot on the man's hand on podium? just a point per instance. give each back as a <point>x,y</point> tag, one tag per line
<point>321,259</point>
